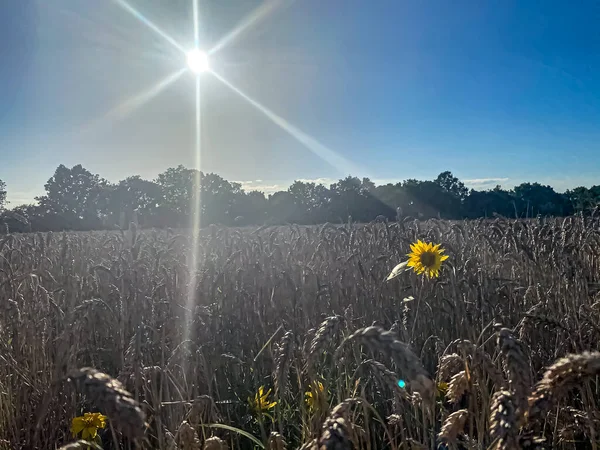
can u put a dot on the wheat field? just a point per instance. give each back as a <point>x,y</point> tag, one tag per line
<point>173,345</point>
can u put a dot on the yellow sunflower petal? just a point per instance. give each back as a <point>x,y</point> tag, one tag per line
<point>77,425</point>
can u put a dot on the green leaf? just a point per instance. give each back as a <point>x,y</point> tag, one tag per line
<point>236,430</point>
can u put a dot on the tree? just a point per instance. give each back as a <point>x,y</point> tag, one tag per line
<point>77,199</point>
<point>349,198</point>
<point>218,199</point>
<point>74,198</point>
<point>250,208</point>
<point>2,195</point>
<point>496,201</point>
<point>131,197</point>
<point>281,207</point>
<point>581,199</point>
<point>427,199</point>
<point>534,198</point>
<point>452,185</point>
<point>311,201</point>
<point>177,192</point>
<point>26,218</point>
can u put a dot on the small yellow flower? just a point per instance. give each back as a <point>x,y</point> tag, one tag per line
<point>442,389</point>
<point>260,403</point>
<point>316,397</point>
<point>426,258</point>
<point>88,425</point>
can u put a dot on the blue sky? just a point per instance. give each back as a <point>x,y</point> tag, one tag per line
<point>497,91</point>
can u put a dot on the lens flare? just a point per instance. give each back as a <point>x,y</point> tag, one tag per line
<point>326,154</point>
<point>262,11</point>
<point>138,15</point>
<point>127,107</point>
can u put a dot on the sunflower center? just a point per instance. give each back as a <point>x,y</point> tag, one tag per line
<point>428,259</point>
<point>89,422</point>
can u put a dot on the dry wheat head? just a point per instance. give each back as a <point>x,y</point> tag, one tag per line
<point>453,426</point>
<point>112,399</point>
<point>504,427</point>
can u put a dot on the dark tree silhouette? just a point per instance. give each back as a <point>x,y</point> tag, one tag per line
<point>535,199</point>
<point>219,199</point>
<point>282,207</point>
<point>2,195</point>
<point>177,188</point>
<point>250,209</point>
<point>452,185</point>
<point>133,199</point>
<point>311,201</point>
<point>74,199</point>
<point>77,199</point>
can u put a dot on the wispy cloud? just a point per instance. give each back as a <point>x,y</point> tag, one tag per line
<point>16,198</point>
<point>276,186</point>
<point>382,181</point>
<point>478,182</point>
<point>323,181</point>
<point>259,185</point>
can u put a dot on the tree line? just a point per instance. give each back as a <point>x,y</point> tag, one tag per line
<point>76,199</point>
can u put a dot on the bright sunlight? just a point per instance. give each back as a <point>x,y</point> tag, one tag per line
<point>198,61</point>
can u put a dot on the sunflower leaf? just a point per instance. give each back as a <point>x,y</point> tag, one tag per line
<point>399,269</point>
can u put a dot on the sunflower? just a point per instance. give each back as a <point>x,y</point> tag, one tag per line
<point>260,403</point>
<point>88,425</point>
<point>315,397</point>
<point>442,389</point>
<point>426,258</point>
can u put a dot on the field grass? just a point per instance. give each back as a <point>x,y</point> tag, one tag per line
<point>288,308</point>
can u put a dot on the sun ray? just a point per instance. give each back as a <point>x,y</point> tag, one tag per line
<point>262,11</point>
<point>131,104</point>
<point>138,15</point>
<point>196,24</point>
<point>196,208</point>
<point>331,157</point>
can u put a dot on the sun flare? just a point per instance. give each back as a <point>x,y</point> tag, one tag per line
<point>197,61</point>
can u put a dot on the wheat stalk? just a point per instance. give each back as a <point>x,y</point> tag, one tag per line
<point>276,441</point>
<point>324,334</point>
<point>516,367</point>
<point>283,358</point>
<point>504,428</point>
<point>453,426</point>
<point>335,434</point>
<point>379,340</point>
<point>187,438</point>
<point>562,376</point>
<point>215,443</point>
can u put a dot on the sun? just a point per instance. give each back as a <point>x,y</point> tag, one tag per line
<point>197,61</point>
